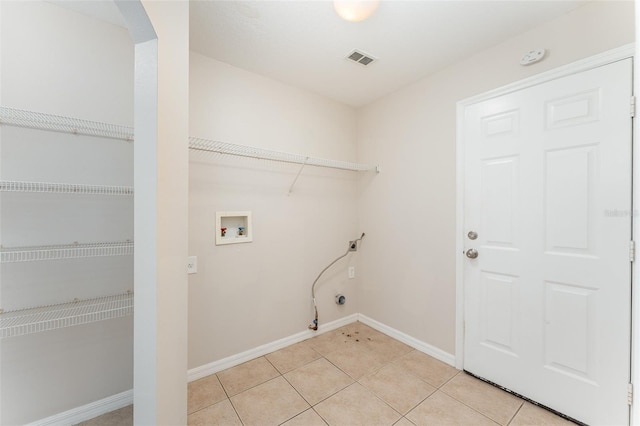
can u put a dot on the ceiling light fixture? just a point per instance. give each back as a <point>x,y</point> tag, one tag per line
<point>355,10</point>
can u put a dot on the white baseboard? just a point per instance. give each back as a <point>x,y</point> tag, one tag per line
<point>233,360</point>
<point>88,411</point>
<point>123,399</point>
<point>411,341</point>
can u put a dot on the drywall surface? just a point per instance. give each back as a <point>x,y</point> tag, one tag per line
<point>407,268</point>
<point>245,295</point>
<point>64,63</point>
<point>161,172</point>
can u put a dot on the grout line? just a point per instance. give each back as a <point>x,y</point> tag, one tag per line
<point>516,413</point>
<point>221,385</point>
<point>421,401</point>
<point>228,399</point>
<point>265,357</point>
<point>470,407</point>
<point>251,387</point>
<point>348,329</point>
<point>322,418</point>
<point>339,390</point>
<point>298,392</point>
<point>405,417</point>
<point>447,381</point>
<point>382,400</point>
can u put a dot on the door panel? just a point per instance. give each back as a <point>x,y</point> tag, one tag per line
<point>547,301</point>
<point>569,199</point>
<point>499,201</point>
<point>570,313</point>
<point>498,316</point>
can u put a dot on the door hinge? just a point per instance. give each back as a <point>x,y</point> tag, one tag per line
<point>630,394</point>
<point>633,106</point>
<point>632,251</point>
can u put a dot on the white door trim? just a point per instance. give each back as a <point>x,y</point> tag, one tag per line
<point>602,59</point>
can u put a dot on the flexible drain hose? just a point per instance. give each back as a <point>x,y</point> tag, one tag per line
<point>314,325</point>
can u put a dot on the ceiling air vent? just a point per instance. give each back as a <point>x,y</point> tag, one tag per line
<point>361,57</point>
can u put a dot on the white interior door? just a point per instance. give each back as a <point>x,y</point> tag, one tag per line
<point>548,192</point>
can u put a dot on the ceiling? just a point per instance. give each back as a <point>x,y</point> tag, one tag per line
<point>304,43</point>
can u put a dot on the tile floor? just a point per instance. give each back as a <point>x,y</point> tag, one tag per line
<point>350,376</point>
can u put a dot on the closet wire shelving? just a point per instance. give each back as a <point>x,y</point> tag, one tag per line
<point>64,188</point>
<point>49,317</point>
<point>42,318</point>
<point>64,251</point>
<point>217,147</point>
<point>58,123</point>
<point>206,145</point>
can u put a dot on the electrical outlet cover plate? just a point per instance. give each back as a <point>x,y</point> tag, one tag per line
<point>351,271</point>
<point>192,265</point>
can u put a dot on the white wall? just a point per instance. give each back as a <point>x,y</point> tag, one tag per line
<point>61,62</point>
<point>246,295</point>
<point>161,184</point>
<point>409,212</point>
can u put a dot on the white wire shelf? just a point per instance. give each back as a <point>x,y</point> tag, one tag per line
<point>198,144</point>
<point>58,123</point>
<point>63,188</point>
<point>66,251</point>
<point>51,317</point>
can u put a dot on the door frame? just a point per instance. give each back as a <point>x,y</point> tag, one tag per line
<point>610,56</point>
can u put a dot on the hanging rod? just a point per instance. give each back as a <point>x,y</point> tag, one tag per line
<point>64,251</point>
<point>198,144</point>
<point>58,123</point>
<point>64,188</point>
<point>51,317</point>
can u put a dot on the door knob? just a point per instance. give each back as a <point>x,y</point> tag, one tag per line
<point>472,253</point>
<point>472,235</point>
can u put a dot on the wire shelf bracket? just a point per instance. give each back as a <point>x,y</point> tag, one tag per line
<point>66,251</point>
<point>63,188</point>
<point>58,123</point>
<point>44,318</point>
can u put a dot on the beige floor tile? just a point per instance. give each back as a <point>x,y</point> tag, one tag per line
<point>244,376</point>
<point>488,400</point>
<point>397,387</point>
<point>355,405</point>
<point>387,348</point>
<point>292,357</point>
<point>308,418</point>
<point>442,410</point>
<point>120,417</point>
<point>429,369</point>
<point>356,360</point>
<point>360,332</point>
<point>270,403</point>
<point>403,422</point>
<point>204,392</point>
<point>530,415</point>
<point>221,413</point>
<point>336,339</point>
<point>328,342</point>
<point>393,379</point>
<point>318,380</point>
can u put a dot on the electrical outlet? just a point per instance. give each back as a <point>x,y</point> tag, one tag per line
<point>192,265</point>
<point>351,272</point>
